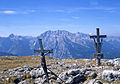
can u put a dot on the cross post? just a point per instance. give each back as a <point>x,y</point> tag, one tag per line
<point>98,39</point>
<point>43,52</point>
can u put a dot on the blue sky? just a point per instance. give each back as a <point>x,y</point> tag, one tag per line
<point>33,17</point>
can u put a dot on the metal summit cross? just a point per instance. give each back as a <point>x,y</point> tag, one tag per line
<point>98,44</point>
<point>43,52</point>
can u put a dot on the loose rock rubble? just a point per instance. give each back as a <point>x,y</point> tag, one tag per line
<point>62,72</point>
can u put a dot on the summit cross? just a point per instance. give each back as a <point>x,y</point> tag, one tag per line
<point>98,39</point>
<point>43,52</point>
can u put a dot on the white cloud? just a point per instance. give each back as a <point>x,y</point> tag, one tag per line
<point>75,17</point>
<point>8,12</point>
<point>26,11</point>
<point>72,10</point>
<point>107,9</point>
<point>17,11</point>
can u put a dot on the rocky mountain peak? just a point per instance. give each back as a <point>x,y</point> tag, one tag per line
<point>11,35</point>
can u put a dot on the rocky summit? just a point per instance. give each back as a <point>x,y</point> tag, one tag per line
<point>28,70</point>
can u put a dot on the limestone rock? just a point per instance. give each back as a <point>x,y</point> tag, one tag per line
<point>73,72</point>
<point>93,74</point>
<point>37,73</point>
<point>111,75</point>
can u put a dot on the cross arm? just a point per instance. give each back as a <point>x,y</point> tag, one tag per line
<point>101,36</point>
<point>37,51</point>
<point>48,51</point>
<point>94,36</point>
<point>43,51</point>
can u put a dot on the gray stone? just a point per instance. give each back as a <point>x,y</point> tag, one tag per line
<point>63,76</point>
<point>69,81</point>
<point>24,82</point>
<point>90,82</point>
<point>98,82</point>
<point>85,71</point>
<point>20,69</point>
<point>93,74</point>
<point>115,62</point>
<point>37,73</point>
<point>39,81</point>
<point>78,79</point>
<point>75,65</point>
<point>111,75</point>
<point>73,72</point>
<point>17,80</point>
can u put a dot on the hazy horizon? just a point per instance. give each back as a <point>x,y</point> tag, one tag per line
<point>57,30</point>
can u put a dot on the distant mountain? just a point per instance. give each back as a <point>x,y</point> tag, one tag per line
<point>64,44</point>
<point>6,54</point>
<point>18,45</point>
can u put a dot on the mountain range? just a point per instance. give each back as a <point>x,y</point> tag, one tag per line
<point>64,44</point>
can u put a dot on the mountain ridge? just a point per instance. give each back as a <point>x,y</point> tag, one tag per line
<point>65,44</point>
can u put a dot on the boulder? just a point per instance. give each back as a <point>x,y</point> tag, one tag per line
<point>64,76</point>
<point>69,81</point>
<point>113,62</point>
<point>111,75</point>
<point>98,82</point>
<point>93,75</point>
<point>78,79</point>
<point>24,82</point>
<point>20,69</point>
<point>73,72</point>
<point>75,65</point>
<point>73,76</point>
<point>37,73</point>
<point>85,71</point>
<point>17,80</point>
<point>39,81</point>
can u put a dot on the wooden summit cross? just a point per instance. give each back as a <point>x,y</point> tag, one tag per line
<point>43,52</point>
<point>98,44</point>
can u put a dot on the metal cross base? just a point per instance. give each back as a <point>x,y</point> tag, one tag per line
<point>98,56</point>
<point>43,52</point>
